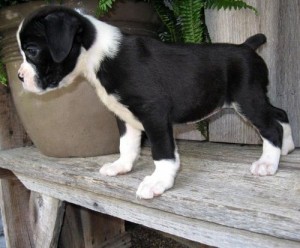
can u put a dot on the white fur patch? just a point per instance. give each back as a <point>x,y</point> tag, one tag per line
<point>268,162</point>
<point>27,71</point>
<point>162,178</point>
<point>130,146</point>
<point>287,141</point>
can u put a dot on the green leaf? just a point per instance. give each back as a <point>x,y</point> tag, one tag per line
<point>228,4</point>
<point>202,126</point>
<point>167,16</point>
<point>3,76</point>
<point>189,14</point>
<point>105,5</point>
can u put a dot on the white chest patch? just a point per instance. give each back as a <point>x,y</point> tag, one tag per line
<point>112,103</point>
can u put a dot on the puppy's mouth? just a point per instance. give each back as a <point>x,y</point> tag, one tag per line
<point>43,83</point>
<point>32,87</point>
<point>35,85</point>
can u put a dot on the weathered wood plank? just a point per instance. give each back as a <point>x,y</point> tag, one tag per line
<point>101,230</point>
<point>14,196</point>
<point>14,209</point>
<point>122,240</point>
<point>188,228</point>
<point>214,185</point>
<point>278,19</point>
<point>227,126</point>
<point>71,231</point>
<point>187,132</point>
<point>287,80</point>
<point>45,216</point>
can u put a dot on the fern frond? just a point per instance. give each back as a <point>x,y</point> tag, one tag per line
<point>105,5</point>
<point>167,16</point>
<point>189,14</point>
<point>228,4</point>
<point>3,76</point>
<point>202,126</point>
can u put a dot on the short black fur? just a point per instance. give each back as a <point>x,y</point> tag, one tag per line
<point>164,84</point>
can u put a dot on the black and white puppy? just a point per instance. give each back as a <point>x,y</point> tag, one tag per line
<point>151,85</point>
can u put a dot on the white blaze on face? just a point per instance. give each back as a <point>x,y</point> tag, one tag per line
<point>27,71</point>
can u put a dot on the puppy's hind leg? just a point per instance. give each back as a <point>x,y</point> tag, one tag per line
<point>261,114</point>
<point>287,140</point>
<point>166,160</point>
<point>130,143</point>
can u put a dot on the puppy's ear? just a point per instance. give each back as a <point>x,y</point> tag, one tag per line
<point>60,30</point>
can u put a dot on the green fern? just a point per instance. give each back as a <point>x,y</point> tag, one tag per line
<point>202,127</point>
<point>3,76</point>
<point>172,31</point>
<point>189,14</point>
<point>228,4</point>
<point>105,5</point>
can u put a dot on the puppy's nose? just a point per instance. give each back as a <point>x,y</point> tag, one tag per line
<point>20,76</point>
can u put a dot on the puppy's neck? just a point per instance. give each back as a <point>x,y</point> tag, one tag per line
<point>106,45</point>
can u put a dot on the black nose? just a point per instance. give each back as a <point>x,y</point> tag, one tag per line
<point>20,77</point>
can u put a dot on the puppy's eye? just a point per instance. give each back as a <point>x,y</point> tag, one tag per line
<point>32,51</point>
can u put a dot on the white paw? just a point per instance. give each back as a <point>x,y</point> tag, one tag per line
<point>115,168</point>
<point>154,186</point>
<point>264,168</point>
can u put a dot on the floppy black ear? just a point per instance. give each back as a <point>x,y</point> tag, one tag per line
<point>60,30</point>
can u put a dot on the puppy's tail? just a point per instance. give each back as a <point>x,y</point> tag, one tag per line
<point>255,41</point>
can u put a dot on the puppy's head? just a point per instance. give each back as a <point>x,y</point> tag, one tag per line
<point>50,41</point>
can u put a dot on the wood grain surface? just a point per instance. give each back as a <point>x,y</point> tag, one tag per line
<point>214,191</point>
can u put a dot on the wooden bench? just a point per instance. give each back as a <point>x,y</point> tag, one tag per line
<point>215,201</point>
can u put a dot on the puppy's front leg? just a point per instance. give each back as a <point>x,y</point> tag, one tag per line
<point>130,146</point>
<point>166,160</point>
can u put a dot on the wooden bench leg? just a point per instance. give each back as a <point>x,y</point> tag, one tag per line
<point>86,228</point>
<point>14,208</point>
<point>46,217</point>
<point>29,219</point>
